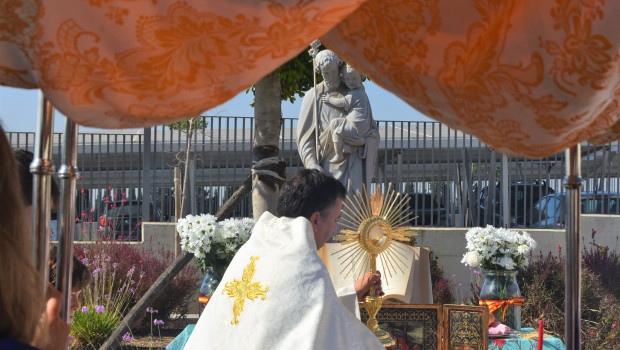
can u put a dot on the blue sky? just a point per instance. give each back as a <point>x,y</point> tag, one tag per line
<point>18,108</point>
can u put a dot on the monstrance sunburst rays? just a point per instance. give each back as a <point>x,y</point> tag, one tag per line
<point>374,227</point>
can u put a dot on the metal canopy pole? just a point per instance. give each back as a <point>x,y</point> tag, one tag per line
<point>42,169</point>
<point>573,183</point>
<point>68,175</point>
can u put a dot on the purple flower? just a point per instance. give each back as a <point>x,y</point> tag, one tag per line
<point>100,308</point>
<point>151,310</point>
<point>84,309</point>
<point>85,261</point>
<point>131,271</point>
<point>96,271</point>
<point>127,337</point>
<point>158,322</point>
<point>106,297</point>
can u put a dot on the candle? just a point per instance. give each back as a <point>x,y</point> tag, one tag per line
<point>540,334</point>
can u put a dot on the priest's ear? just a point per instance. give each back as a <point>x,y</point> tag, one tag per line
<point>314,221</point>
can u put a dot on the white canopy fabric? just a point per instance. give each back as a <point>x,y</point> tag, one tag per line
<point>528,77</point>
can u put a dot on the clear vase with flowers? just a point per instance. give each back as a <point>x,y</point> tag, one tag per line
<point>499,253</point>
<point>213,243</point>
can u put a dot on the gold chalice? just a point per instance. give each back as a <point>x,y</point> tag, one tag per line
<point>374,228</point>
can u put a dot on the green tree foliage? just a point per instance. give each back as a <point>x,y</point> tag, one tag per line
<point>199,124</point>
<point>296,76</point>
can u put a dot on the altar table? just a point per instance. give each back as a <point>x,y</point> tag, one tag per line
<point>178,343</point>
<point>527,339</point>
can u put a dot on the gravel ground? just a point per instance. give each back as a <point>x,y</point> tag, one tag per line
<point>143,342</point>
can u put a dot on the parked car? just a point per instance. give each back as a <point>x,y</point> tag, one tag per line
<point>123,219</point>
<point>424,210</point>
<point>550,211</point>
<point>522,197</point>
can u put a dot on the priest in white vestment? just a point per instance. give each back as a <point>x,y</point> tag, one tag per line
<point>277,293</point>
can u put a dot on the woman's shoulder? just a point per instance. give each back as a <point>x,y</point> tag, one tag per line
<point>10,344</point>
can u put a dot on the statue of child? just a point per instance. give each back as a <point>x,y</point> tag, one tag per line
<point>351,130</point>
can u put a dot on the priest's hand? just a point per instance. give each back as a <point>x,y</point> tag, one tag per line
<point>362,286</point>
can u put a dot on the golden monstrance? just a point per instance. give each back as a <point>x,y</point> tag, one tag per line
<point>374,228</point>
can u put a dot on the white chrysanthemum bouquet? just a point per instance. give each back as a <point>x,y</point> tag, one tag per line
<point>493,248</point>
<point>213,243</point>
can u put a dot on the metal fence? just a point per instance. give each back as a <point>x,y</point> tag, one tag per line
<point>449,175</point>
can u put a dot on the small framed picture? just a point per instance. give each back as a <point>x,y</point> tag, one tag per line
<point>465,327</point>
<point>411,326</point>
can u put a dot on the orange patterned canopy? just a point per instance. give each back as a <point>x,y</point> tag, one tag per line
<point>528,77</point>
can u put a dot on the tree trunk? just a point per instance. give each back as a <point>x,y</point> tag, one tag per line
<point>267,164</point>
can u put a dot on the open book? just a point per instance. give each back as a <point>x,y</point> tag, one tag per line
<point>410,283</point>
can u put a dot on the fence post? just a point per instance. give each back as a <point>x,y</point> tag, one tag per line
<point>192,185</point>
<point>504,194</point>
<point>147,178</point>
<point>489,213</point>
<point>177,208</point>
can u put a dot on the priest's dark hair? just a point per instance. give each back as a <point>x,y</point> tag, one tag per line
<point>307,192</point>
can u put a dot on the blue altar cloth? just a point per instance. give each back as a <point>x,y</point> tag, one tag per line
<point>527,339</point>
<point>508,343</point>
<point>178,343</point>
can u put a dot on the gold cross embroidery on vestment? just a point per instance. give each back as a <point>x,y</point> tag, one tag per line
<point>240,290</point>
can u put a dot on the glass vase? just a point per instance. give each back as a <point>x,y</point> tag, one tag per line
<point>210,282</point>
<point>501,285</point>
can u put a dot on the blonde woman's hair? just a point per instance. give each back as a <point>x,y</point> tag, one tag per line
<point>21,291</point>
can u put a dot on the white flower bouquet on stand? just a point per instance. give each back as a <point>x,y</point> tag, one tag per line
<point>499,253</point>
<point>214,244</point>
<point>493,248</point>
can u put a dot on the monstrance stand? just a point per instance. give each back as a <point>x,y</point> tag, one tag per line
<point>371,229</point>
